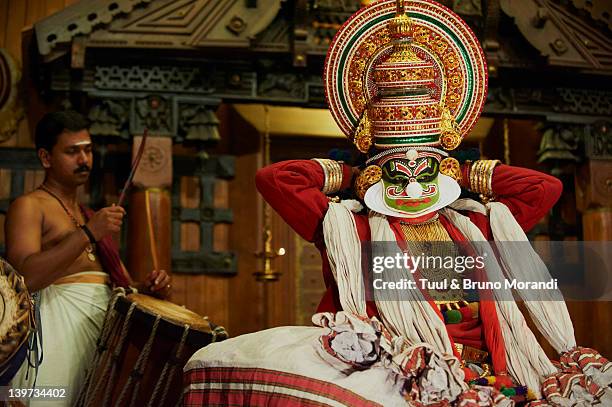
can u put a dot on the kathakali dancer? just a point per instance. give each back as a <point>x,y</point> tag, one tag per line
<point>406,82</point>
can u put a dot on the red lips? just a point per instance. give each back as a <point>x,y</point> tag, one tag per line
<point>404,202</point>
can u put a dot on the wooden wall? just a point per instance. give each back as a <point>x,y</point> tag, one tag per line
<point>241,303</point>
<point>15,16</point>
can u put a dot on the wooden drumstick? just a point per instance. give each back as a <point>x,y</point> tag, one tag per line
<point>152,245</point>
<point>139,154</point>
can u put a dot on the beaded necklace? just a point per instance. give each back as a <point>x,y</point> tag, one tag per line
<point>90,248</point>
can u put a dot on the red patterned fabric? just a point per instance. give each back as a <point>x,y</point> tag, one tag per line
<point>538,403</point>
<point>580,359</point>
<point>573,365</point>
<point>232,386</point>
<point>293,189</point>
<point>108,253</point>
<point>481,396</point>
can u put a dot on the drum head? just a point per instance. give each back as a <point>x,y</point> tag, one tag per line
<point>15,312</point>
<point>170,312</point>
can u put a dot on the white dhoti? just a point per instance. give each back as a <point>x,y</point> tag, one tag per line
<point>71,317</point>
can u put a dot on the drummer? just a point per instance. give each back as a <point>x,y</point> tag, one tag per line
<point>66,254</point>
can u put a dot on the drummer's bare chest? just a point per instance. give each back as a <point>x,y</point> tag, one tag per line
<point>57,225</point>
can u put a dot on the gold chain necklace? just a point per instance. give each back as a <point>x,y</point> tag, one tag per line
<point>90,248</point>
<point>429,231</point>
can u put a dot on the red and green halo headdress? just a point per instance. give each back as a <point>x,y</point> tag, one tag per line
<point>406,76</point>
<point>440,38</point>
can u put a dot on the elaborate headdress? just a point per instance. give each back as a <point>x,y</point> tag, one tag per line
<point>403,78</point>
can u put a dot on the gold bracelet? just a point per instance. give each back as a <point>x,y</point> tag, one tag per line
<point>481,177</point>
<point>491,164</point>
<point>333,175</point>
<point>474,176</point>
<point>335,171</point>
<point>324,168</point>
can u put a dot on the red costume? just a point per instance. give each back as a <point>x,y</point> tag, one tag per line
<point>293,189</point>
<point>406,82</point>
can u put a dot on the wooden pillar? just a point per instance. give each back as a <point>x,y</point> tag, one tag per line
<point>152,180</point>
<point>593,319</point>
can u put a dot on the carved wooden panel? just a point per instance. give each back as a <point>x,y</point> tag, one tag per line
<point>561,34</point>
<point>600,10</point>
<point>183,24</point>
<point>79,19</point>
<point>155,169</point>
<point>184,118</point>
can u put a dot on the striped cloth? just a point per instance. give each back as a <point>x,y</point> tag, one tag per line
<point>282,366</point>
<point>223,386</point>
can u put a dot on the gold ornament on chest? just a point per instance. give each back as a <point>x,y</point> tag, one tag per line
<point>431,239</point>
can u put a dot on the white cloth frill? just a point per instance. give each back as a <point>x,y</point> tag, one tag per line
<point>352,352</point>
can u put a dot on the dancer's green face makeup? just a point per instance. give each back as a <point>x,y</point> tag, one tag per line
<point>411,186</point>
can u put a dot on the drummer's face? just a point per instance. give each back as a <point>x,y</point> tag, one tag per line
<point>70,159</point>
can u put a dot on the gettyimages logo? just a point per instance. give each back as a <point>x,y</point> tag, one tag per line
<point>410,263</point>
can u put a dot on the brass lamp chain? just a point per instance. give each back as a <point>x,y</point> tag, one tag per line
<point>267,254</point>
<point>266,146</point>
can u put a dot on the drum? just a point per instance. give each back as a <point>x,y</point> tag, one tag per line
<point>16,321</point>
<point>143,346</point>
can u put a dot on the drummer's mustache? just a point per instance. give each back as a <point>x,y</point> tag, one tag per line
<point>82,168</point>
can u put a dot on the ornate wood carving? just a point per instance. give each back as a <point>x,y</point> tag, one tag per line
<point>559,145</point>
<point>78,19</point>
<point>153,113</point>
<point>566,104</point>
<point>183,118</point>
<point>155,169</point>
<point>600,10</point>
<point>110,118</point>
<point>594,179</point>
<point>153,78</point>
<point>326,17</point>
<point>598,143</point>
<point>197,122</point>
<point>560,34</point>
<point>581,155</point>
<point>300,33</point>
<point>170,24</point>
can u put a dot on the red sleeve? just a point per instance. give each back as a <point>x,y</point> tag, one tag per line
<point>293,189</point>
<point>527,193</point>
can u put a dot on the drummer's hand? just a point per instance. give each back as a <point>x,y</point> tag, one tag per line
<point>158,282</point>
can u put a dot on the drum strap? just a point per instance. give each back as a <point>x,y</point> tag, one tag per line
<point>35,342</point>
